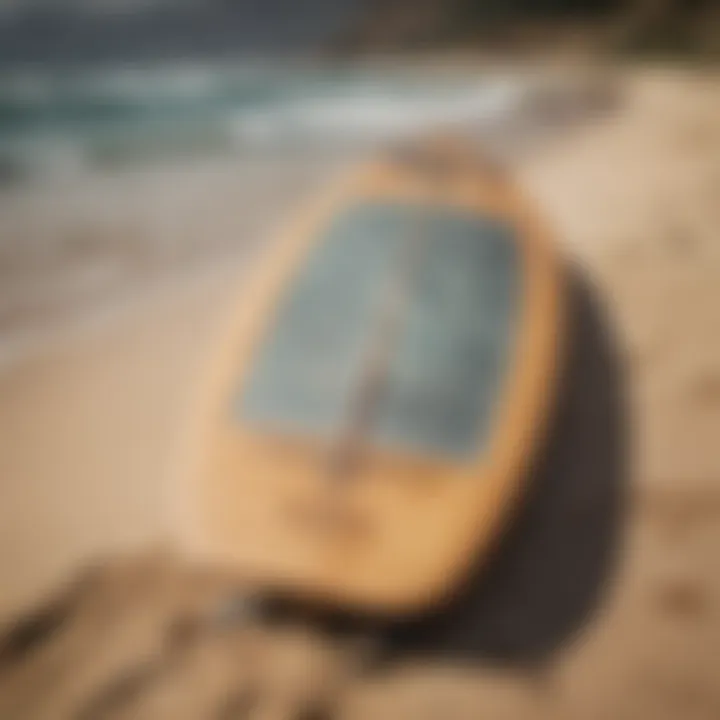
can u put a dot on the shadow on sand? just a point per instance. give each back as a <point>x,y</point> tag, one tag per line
<point>557,557</point>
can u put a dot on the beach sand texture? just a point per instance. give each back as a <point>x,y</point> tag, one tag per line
<point>89,427</point>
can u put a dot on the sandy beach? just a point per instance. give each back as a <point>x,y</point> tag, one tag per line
<point>90,420</point>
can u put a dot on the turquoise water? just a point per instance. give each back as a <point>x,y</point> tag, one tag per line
<point>83,118</point>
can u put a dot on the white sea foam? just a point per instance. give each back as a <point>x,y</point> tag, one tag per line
<point>46,120</point>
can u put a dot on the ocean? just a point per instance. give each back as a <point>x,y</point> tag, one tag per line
<point>115,178</point>
<point>64,121</point>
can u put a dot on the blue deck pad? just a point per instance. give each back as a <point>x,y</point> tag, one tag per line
<point>448,358</point>
<point>307,368</point>
<point>453,349</point>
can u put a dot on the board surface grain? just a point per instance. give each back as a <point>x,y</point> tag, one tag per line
<point>412,519</point>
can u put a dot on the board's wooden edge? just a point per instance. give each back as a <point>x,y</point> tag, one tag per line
<point>526,415</point>
<point>523,416</point>
<point>180,490</point>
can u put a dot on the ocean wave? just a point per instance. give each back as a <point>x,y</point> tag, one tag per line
<point>372,116</point>
<point>53,121</point>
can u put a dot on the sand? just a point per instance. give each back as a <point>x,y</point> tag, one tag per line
<point>89,427</point>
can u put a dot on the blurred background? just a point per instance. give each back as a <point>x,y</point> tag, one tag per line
<point>149,149</point>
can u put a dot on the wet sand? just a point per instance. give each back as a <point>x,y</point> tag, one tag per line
<point>89,427</point>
